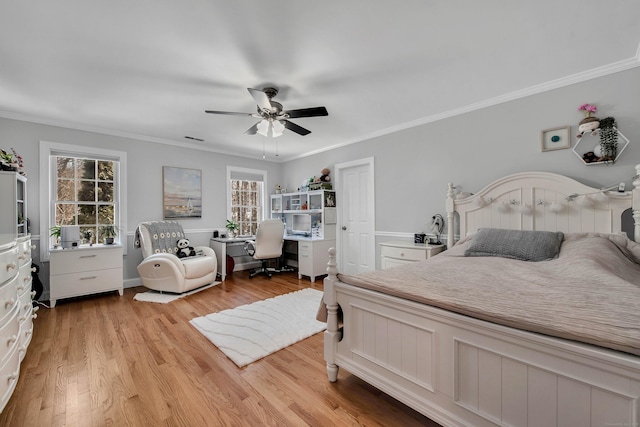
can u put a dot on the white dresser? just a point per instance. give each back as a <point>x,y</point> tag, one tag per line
<point>16,309</point>
<point>403,252</point>
<point>85,271</point>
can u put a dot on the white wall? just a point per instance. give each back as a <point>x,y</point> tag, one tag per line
<point>413,167</point>
<point>144,173</point>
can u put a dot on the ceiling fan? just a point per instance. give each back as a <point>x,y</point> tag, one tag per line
<point>273,116</point>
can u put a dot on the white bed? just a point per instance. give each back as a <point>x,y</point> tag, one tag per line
<point>462,371</point>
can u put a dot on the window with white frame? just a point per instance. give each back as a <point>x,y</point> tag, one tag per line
<point>85,195</point>
<point>86,188</point>
<point>246,198</point>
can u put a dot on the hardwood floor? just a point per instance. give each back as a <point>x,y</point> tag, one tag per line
<point>111,361</point>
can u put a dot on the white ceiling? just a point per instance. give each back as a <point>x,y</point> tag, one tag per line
<point>148,69</point>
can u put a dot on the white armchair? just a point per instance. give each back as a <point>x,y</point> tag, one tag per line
<point>161,269</point>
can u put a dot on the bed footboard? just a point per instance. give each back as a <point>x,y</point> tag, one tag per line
<point>461,371</point>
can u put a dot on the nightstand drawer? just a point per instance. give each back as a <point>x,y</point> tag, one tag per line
<point>403,253</point>
<point>66,261</point>
<point>86,282</point>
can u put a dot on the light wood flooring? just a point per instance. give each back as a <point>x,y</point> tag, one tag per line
<point>111,361</point>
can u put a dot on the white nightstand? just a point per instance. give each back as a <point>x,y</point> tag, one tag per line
<point>84,271</point>
<point>403,252</point>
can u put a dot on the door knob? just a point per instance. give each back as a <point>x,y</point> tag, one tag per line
<point>344,227</point>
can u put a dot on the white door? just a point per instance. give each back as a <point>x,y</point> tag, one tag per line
<point>356,216</point>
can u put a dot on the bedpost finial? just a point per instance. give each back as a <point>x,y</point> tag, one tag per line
<point>332,266</point>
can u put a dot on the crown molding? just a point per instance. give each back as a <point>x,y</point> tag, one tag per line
<point>602,71</point>
<point>605,70</point>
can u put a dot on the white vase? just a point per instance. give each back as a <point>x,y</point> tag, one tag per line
<point>597,150</point>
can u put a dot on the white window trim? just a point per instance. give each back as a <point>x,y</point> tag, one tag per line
<point>263,173</point>
<point>46,187</point>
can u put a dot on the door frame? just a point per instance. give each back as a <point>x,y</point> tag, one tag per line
<point>371,204</point>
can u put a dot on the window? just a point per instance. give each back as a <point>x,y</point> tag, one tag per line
<point>86,187</point>
<point>246,198</point>
<point>85,195</point>
<point>246,208</point>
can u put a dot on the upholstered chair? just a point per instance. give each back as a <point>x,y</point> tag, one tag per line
<point>266,246</point>
<point>161,269</point>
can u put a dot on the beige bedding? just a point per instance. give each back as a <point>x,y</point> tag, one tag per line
<point>590,293</point>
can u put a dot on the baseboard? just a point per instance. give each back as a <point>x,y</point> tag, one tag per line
<point>132,283</point>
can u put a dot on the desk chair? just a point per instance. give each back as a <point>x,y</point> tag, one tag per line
<point>266,246</point>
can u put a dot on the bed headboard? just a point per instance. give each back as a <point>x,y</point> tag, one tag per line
<point>542,201</point>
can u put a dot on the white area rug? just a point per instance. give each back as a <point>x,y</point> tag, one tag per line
<point>253,331</point>
<point>164,297</point>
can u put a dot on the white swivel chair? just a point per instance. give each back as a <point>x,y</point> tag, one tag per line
<point>161,270</point>
<point>266,246</point>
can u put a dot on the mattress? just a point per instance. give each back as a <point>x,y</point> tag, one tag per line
<point>590,293</point>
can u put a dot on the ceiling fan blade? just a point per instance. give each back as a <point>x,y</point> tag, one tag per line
<point>295,128</point>
<point>261,99</point>
<point>252,130</point>
<point>307,112</point>
<point>230,113</point>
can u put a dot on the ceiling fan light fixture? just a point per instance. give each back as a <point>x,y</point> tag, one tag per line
<point>277,128</point>
<point>263,128</point>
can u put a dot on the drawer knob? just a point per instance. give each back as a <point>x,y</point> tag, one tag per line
<point>11,266</point>
<point>9,303</point>
<point>401,253</point>
<point>12,339</point>
<point>35,316</point>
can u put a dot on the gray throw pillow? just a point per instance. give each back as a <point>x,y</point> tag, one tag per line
<point>523,245</point>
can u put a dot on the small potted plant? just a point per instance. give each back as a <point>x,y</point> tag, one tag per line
<point>232,228</point>
<point>109,232</point>
<point>55,233</point>
<point>6,161</point>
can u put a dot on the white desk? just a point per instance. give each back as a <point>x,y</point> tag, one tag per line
<point>313,254</point>
<point>219,245</point>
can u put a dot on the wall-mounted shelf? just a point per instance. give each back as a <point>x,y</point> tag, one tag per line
<point>591,140</point>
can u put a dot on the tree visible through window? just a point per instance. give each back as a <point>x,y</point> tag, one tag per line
<point>85,195</point>
<point>246,207</point>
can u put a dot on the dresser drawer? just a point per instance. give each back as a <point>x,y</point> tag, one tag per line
<point>24,251</point>
<point>24,278</point>
<point>403,253</point>
<point>8,298</point>
<point>66,261</point>
<point>8,264</point>
<point>9,336</point>
<point>86,282</point>
<point>9,376</point>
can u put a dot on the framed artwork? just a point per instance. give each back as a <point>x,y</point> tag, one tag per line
<point>181,193</point>
<point>556,138</point>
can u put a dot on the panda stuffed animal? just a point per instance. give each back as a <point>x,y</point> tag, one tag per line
<point>184,250</point>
